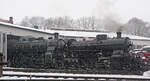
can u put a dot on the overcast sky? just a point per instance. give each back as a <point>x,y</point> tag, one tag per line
<point>122,9</point>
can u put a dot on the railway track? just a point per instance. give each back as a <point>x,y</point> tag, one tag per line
<point>67,71</point>
<point>21,74</point>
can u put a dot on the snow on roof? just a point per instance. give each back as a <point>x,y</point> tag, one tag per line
<point>81,29</point>
<point>146,47</point>
<point>23,27</point>
<point>93,34</point>
<point>75,33</point>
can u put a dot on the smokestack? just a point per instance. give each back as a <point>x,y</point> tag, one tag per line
<point>56,36</point>
<point>118,34</point>
<point>11,20</point>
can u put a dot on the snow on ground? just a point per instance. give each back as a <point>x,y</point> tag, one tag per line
<point>65,74</point>
<point>13,78</point>
<point>146,74</point>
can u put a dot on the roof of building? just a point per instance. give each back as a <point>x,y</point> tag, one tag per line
<point>23,27</point>
<point>84,30</point>
<point>75,33</point>
<point>3,20</point>
<point>93,34</point>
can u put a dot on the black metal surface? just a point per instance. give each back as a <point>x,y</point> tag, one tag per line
<point>101,55</point>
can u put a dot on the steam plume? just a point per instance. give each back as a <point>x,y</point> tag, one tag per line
<point>107,15</point>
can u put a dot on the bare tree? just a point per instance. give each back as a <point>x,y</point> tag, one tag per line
<point>60,22</point>
<point>34,22</point>
<point>136,26</point>
<point>86,22</point>
<point>25,22</point>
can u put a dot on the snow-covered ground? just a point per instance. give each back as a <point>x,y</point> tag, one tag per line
<point>146,74</point>
<point>49,75</point>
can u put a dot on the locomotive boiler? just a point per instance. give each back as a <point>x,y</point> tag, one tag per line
<point>100,54</point>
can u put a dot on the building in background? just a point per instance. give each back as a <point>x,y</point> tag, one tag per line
<point>16,31</point>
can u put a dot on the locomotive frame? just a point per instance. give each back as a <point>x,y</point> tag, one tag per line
<point>103,54</point>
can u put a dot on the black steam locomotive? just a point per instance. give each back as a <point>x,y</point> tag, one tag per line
<point>100,54</point>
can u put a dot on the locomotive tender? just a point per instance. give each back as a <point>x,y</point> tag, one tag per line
<point>100,54</point>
